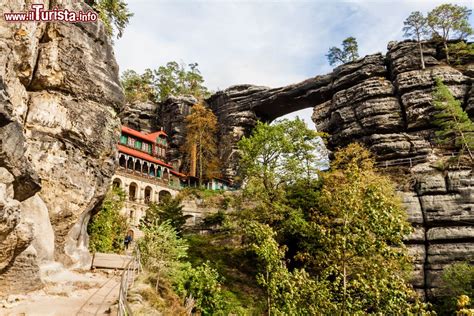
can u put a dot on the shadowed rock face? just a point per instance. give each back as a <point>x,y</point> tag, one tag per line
<point>59,94</point>
<point>384,102</point>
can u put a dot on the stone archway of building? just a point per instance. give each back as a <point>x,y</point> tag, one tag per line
<point>166,175</point>
<point>138,166</point>
<point>123,161</point>
<point>164,195</point>
<point>117,183</point>
<point>148,195</point>
<point>132,191</point>
<point>152,171</point>
<point>158,172</point>
<point>145,168</point>
<point>130,163</point>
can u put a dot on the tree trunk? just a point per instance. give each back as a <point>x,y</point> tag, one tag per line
<point>447,51</point>
<point>200,161</point>
<point>421,55</point>
<point>157,282</point>
<point>344,271</point>
<point>269,304</point>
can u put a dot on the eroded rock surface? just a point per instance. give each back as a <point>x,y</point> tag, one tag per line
<point>59,95</point>
<point>384,102</point>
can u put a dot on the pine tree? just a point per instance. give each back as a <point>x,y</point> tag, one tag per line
<point>113,13</point>
<point>349,52</point>
<point>455,125</point>
<point>201,138</point>
<point>416,27</point>
<point>448,21</point>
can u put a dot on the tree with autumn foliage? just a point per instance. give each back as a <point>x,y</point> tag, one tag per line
<point>201,142</point>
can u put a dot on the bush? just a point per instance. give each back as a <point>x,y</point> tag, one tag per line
<point>108,227</point>
<point>161,249</point>
<point>202,283</point>
<point>458,280</point>
<point>169,210</point>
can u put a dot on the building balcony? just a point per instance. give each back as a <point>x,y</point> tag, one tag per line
<point>146,177</point>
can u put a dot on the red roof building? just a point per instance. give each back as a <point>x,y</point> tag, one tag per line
<point>145,155</point>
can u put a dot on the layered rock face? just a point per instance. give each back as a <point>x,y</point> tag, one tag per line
<point>141,116</point>
<point>168,115</point>
<point>384,102</point>
<point>59,95</point>
<point>171,116</point>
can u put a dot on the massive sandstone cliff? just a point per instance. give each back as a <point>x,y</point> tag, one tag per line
<point>59,95</point>
<point>384,102</point>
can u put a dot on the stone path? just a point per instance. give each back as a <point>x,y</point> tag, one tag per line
<point>68,293</point>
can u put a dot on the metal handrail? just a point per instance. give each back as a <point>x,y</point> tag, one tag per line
<point>410,160</point>
<point>127,280</point>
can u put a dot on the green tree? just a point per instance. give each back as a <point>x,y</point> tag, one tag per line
<point>457,280</point>
<point>114,13</point>
<point>455,125</point>
<point>161,249</point>
<point>348,53</point>
<point>201,142</point>
<point>138,87</point>
<point>361,224</point>
<point>174,79</point>
<point>108,227</point>
<point>449,21</point>
<point>169,210</point>
<point>157,85</point>
<point>288,293</point>
<point>461,50</point>
<point>416,26</point>
<point>203,284</point>
<point>278,154</point>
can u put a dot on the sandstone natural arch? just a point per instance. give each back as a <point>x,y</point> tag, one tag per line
<point>383,101</point>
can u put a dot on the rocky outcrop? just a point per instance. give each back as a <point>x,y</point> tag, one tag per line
<point>141,116</point>
<point>384,102</point>
<point>59,95</point>
<point>171,114</point>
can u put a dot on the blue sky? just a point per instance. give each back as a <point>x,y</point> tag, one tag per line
<point>270,43</point>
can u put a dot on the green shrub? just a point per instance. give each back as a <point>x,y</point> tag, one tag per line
<point>161,249</point>
<point>169,210</point>
<point>458,280</point>
<point>203,283</point>
<point>107,228</point>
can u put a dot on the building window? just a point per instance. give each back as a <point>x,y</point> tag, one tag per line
<point>123,139</point>
<point>131,141</point>
<point>145,147</point>
<point>138,145</point>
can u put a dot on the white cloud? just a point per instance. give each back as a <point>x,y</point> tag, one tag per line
<point>269,43</point>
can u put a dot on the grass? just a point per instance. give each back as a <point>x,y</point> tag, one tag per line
<point>146,301</point>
